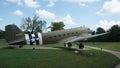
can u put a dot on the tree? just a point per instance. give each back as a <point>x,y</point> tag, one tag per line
<point>56,26</point>
<point>33,25</point>
<point>2,34</point>
<point>100,38</point>
<point>100,30</point>
<point>114,35</point>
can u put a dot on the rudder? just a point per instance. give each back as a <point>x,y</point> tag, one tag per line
<point>13,33</point>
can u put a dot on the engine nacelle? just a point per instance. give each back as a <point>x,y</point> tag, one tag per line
<point>34,39</point>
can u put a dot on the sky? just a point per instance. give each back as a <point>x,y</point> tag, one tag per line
<point>74,13</point>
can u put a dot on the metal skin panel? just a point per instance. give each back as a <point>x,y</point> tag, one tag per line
<point>62,36</point>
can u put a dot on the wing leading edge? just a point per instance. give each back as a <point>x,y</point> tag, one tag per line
<point>83,38</point>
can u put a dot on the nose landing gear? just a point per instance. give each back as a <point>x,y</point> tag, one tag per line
<point>81,46</point>
<point>20,46</point>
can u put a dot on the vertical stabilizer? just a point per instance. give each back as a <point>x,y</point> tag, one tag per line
<point>13,34</point>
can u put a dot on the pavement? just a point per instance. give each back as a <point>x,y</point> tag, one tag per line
<point>116,53</point>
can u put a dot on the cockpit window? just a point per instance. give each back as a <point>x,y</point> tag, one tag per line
<point>76,32</point>
<point>88,29</point>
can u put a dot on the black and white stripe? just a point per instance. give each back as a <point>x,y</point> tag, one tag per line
<point>35,39</point>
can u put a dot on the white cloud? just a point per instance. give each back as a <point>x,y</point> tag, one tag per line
<point>80,1</point>
<point>107,24</point>
<point>18,13</point>
<point>19,2</point>
<point>28,3</point>
<point>51,3</point>
<point>45,14</point>
<point>84,5</point>
<point>32,3</point>
<point>110,7</point>
<point>68,20</point>
<point>1,19</point>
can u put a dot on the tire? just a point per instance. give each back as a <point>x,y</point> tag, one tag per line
<point>69,44</point>
<point>20,46</point>
<point>81,46</point>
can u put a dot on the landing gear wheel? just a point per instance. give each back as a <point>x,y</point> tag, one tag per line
<point>81,46</point>
<point>20,46</point>
<point>69,44</point>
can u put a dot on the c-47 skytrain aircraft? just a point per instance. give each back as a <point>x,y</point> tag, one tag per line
<point>15,36</point>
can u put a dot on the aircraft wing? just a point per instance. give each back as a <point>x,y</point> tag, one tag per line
<point>84,38</point>
<point>67,39</point>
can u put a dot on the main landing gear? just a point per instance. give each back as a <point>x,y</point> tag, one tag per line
<point>69,45</point>
<point>20,46</point>
<point>81,46</point>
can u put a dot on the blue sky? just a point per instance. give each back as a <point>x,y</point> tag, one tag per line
<point>74,13</point>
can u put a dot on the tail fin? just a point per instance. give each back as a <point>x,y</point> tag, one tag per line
<point>13,34</point>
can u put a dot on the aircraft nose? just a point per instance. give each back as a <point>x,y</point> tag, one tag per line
<point>90,31</point>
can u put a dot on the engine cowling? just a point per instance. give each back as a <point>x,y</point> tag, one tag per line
<point>33,39</point>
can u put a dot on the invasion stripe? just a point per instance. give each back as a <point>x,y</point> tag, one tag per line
<point>27,39</point>
<point>36,39</point>
<point>30,38</point>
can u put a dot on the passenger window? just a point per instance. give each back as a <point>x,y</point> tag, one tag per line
<point>63,34</point>
<point>59,35</point>
<point>68,34</point>
<point>55,36</point>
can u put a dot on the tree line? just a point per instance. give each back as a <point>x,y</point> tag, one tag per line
<point>112,36</point>
<point>35,24</point>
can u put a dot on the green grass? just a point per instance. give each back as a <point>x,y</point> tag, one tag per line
<point>2,42</point>
<point>107,45</point>
<point>62,58</point>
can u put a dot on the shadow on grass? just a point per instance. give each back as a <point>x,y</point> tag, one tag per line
<point>8,47</point>
<point>76,51</point>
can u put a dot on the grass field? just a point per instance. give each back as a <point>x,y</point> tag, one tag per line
<point>2,42</point>
<point>107,45</point>
<point>55,59</point>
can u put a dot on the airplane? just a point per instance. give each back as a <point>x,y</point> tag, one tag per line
<point>15,36</point>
